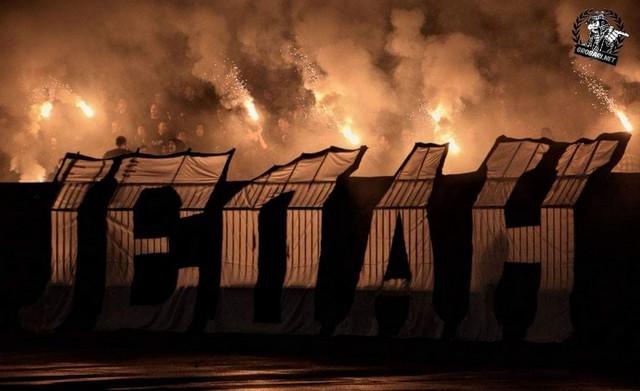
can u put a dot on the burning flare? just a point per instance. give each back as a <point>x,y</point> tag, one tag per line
<point>347,132</point>
<point>453,147</point>
<point>45,109</point>
<point>624,120</point>
<point>443,133</point>
<point>437,114</point>
<point>251,109</point>
<point>88,111</point>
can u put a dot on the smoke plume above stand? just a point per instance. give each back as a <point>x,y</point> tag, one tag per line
<point>276,78</point>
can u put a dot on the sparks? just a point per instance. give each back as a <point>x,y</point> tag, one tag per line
<point>347,132</point>
<point>602,94</point>
<point>88,111</point>
<point>45,109</point>
<point>251,109</point>
<point>624,120</point>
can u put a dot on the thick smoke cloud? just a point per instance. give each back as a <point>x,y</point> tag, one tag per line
<point>383,73</point>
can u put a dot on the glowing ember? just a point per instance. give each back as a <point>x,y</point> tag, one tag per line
<point>251,109</point>
<point>45,109</point>
<point>347,132</point>
<point>88,111</point>
<point>624,120</point>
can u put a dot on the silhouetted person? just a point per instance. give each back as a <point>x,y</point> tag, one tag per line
<point>162,137</point>
<point>154,117</point>
<point>182,136</point>
<point>141,138</point>
<point>284,130</point>
<point>174,145</point>
<point>154,114</point>
<point>116,128</point>
<point>201,140</point>
<point>189,107</point>
<point>121,148</point>
<point>123,116</point>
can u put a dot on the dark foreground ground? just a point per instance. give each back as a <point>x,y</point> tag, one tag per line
<point>140,361</point>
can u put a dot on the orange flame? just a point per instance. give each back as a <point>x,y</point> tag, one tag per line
<point>443,135</point>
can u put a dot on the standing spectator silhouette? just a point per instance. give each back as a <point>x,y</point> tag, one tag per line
<point>120,149</point>
<point>141,137</point>
<point>123,115</point>
<point>201,140</point>
<point>162,137</point>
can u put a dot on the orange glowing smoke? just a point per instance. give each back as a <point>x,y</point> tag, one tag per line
<point>624,120</point>
<point>251,109</point>
<point>28,168</point>
<point>45,109</point>
<point>86,109</point>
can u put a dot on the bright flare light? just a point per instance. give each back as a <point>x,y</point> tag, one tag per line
<point>45,109</point>
<point>437,114</point>
<point>453,147</point>
<point>251,110</point>
<point>347,132</point>
<point>443,135</point>
<point>624,120</point>
<point>88,111</point>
